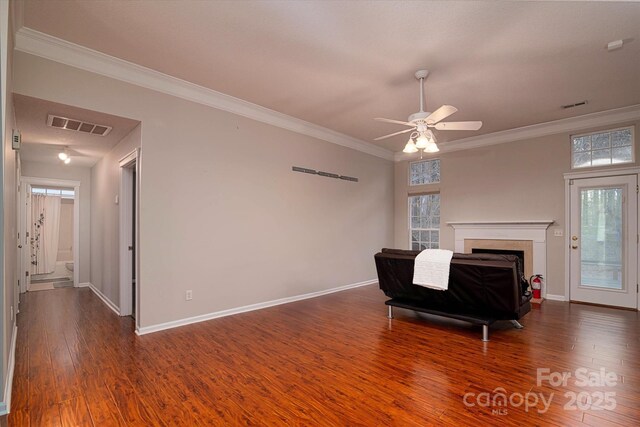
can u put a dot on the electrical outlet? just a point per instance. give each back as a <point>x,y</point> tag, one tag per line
<point>188,295</point>
<point>557,233</point>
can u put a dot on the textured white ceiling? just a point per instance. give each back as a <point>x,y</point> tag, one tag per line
<point>42,143</point>
<point>340,63</point>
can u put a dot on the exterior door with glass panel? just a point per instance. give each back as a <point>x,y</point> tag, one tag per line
<point>603,241</point>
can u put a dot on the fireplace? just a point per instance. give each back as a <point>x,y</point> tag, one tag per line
<point>514,237</point>
<point>519,254</point>
<point>521,248</point>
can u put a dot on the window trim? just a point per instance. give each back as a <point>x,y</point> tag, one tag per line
<point>409,229</point>
<point>632,128</point>
<point>51,191</point>
<point>428,183</point>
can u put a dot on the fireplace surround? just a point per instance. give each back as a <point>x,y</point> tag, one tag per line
<point>530,237</point>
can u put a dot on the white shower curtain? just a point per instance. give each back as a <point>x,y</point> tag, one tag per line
<point>44,233</point>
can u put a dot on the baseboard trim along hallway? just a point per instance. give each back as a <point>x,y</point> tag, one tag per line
<point>5,406</point>
<point>102,296</point>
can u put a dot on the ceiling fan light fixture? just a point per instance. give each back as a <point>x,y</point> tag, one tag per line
<point>432,147</point>
<point>67,160</point>
<point>63,155</point>
<point>410,147</point>
<point>426,141</point>
<point>422,141</point>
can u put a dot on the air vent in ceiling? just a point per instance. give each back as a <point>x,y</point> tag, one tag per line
<point>577,104</point>
<point>77,125</point>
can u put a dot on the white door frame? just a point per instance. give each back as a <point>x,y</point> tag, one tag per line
<point>568,177</point>
<point>26,182</point>
<point>128,164</point>
<point>19,221</point>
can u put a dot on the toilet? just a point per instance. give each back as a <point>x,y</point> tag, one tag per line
<point>69,266</point>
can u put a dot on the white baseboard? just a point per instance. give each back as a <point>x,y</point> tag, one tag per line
<point>5,406</point>
<point>244,309</point>
<point>552,297</point>
<point>104,299</point>
<point>84,285</point>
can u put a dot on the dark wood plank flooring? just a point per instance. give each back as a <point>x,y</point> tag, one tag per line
<point>329,361</point>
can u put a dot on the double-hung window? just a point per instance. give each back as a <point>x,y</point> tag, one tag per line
<point>425,221</point>
<point>424,208</point>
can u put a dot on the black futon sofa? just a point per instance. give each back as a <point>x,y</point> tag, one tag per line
<point>483,288</point>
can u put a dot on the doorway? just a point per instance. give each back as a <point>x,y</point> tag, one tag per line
<point>129,231</point>
<point>67,261</point>
<point>603,244</point>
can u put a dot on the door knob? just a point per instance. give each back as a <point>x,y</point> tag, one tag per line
<point>574,238</point>
<point>574,247</point>
<point>19,246</point>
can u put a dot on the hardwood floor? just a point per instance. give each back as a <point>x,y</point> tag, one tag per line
<point>329,361</point>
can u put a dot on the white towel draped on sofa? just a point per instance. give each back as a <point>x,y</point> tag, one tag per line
<point>431,269</point>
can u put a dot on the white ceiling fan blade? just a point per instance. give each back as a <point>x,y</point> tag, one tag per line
<point>458,126</point>
<point>440,114</point>
<point>398,122</point>
<point>393,134</point>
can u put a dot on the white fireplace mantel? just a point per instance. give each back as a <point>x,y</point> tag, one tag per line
<point>505,230</point>
<point>535,230</point>
<point>543,224</point>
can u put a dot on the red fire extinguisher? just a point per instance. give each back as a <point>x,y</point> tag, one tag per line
<point>536,285</point>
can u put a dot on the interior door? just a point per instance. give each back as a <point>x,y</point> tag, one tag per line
<point>604,241</point>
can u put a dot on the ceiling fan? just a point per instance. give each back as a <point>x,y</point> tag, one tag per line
<point>420,124</point>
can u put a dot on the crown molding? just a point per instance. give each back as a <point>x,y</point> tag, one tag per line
<point>43,45</point>
<point>572,124</point>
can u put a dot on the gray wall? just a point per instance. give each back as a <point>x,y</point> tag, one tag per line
<point>222,213</point>
<point>514,181</point>
<point>105,218</point>
<point>71,173</point>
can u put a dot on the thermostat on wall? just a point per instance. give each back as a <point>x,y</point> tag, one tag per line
<point>16,139</point>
